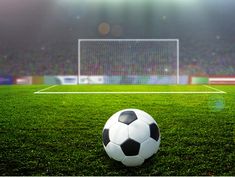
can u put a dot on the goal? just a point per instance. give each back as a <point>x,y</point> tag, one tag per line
<point>128,61</point>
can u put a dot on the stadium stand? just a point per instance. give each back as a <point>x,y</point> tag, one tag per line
<point>60,58</point>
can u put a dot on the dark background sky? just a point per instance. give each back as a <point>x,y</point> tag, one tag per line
<point>43,34</point>
<point>22,20</point>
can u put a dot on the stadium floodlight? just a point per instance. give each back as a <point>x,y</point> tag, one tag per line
<point>128,61</point>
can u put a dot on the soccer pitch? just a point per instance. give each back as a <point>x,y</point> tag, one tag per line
<point>57,130</point>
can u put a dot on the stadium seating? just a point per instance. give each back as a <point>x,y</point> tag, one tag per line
<point>60,58</point>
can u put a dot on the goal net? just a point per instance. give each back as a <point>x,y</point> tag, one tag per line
<point>128,61</point>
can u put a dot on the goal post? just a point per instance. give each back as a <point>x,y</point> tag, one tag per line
<point>128,61</point>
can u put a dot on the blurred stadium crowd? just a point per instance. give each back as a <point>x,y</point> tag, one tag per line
<point>196,58</point>
<point>208,57</point>
<point>41,37</point>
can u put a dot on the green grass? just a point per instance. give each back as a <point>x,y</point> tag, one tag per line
<point>61,134</point>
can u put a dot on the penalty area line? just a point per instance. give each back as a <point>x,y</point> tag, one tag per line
<point>214,89</point>
<point>41,91</point>
<point>83,93</point>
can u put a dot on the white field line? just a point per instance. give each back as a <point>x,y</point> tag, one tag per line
<point>214,89</point>
<point>45,89</point>
<point>80,93</point>
<point>66,93</point>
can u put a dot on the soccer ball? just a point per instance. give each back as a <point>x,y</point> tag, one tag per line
<point>131,136</point>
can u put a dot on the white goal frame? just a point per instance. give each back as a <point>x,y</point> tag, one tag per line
<point>131,40</point>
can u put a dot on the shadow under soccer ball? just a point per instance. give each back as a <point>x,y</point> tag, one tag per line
<point>131,136</point>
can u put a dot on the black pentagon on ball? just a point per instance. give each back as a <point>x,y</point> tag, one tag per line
<point>130,147</point>
<point>127,117</point>
<point>154,131</point>
<point>106,139</point>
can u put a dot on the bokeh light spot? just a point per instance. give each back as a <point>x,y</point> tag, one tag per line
<point>104,28</point>
<point>216,103</point>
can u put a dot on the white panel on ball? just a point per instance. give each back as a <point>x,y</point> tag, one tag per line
<point>114,151</point>
<point>139,131</point>
<point>133,161</point>
<point>148,148</point>
<point>158,145</point>
<point>118,133</point>
<point>112,120</point>
<point>145,117</point>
